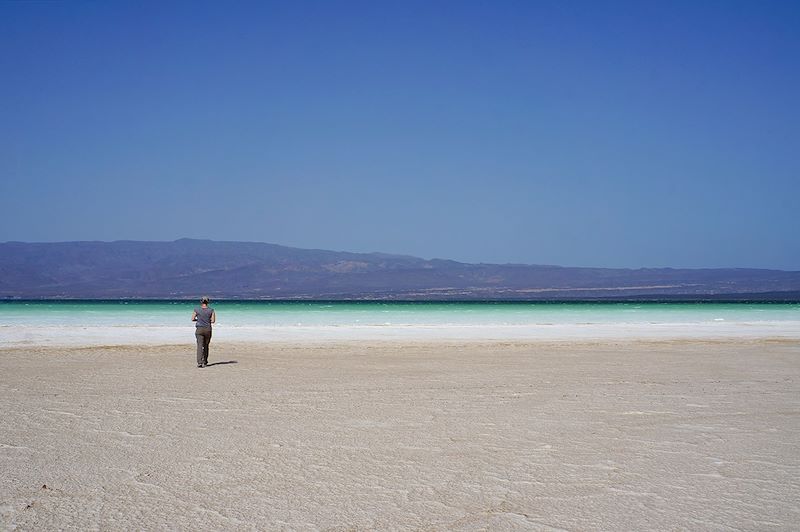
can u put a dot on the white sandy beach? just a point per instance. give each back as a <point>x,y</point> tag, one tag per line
<point>602,435</point>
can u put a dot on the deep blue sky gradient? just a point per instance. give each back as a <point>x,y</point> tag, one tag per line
<point>620,134</point>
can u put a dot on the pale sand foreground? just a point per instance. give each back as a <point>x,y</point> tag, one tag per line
<point>628,436</point>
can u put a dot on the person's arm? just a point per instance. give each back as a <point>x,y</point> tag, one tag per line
<point>213,316</point>
<point>194,315</point>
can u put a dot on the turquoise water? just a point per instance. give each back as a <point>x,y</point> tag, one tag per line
<point>51,323</point>
<point>325,314</point>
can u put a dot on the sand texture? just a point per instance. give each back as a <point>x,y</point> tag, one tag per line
<point>606,436</point>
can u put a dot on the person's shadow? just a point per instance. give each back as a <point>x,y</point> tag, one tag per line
<point>222,363</point>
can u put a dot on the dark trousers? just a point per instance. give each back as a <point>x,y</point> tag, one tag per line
<point>203,335</point>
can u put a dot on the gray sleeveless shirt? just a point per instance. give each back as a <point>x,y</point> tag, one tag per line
<point>204,316</point>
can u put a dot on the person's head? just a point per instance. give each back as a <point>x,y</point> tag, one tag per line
<point>204,300</point>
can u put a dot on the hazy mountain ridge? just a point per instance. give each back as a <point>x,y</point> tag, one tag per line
<point>187,268</point>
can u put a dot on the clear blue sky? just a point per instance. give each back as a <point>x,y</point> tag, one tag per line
<point>621,134</point>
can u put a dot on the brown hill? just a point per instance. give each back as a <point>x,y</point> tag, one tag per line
<point>247,270</point>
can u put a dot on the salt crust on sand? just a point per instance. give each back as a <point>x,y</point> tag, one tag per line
<point>606,435</point>
<point>19,336</point>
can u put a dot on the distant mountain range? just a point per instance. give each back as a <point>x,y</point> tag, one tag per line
<point>247,270</point>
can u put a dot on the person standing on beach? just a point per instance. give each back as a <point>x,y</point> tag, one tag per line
<point>203,318</point>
